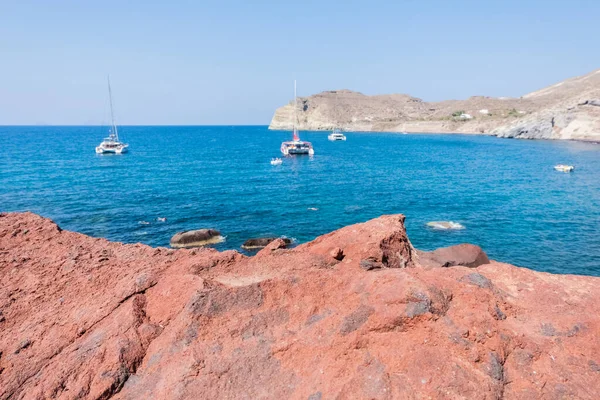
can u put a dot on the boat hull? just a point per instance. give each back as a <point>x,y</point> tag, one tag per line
<point>295,152</point>
<point>297,149</point>
<point>116,150</point>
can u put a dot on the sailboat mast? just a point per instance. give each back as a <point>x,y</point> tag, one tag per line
<point>112,114</point>
<point>295,108</point>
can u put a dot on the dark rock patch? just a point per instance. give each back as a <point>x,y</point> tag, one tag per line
<point>591,102</point>
<point>355,320</point>
<point>477,280</point>
<point>574,330</point>
<point>548,330</point>
<point>23,345</point>
<point>419,304</point>
<point>414,309</point>
<point>317,317</point>
<point>495,367</point>
<point>315,396</point>
<point>370,264</point>
<point>498,314</point>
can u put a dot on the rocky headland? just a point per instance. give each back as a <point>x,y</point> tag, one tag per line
<point>357,313</point>
<point>567,110</point>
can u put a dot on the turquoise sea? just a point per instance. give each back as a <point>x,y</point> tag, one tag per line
<point>505,192</point>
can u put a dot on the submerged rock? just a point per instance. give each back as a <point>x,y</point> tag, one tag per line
<point>259,243</point>
<point>445,225</point>
<point>196,238</point>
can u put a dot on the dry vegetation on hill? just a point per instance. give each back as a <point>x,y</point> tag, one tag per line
<point>567,110</point>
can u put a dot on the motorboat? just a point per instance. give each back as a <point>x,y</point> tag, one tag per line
<point>564,168</point>
<point>111,144</point>
<point>296,146</point>
<point>276,161</point>
<point>336,135</point>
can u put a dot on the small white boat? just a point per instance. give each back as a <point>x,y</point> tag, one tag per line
<point>336,135</point>
<point>276,161</point>
<point>111,144</point>
<point>296,146</point>
<point>564,168</point>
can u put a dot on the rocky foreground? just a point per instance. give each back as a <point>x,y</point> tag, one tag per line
<point>357,313</point>
<point>567,110</point>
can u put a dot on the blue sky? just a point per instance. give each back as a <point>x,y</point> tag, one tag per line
<point>233,62</point>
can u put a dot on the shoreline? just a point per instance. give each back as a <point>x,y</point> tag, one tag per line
<point>592,141</point>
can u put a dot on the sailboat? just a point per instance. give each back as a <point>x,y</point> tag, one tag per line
<point>296,146</point>
<point>111,144</point>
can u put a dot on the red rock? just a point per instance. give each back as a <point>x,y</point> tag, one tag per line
<point>381,240</point>
<point>259,243</point>
<point>274,245</point>
<point>467,255</point>
<point>88,318</point>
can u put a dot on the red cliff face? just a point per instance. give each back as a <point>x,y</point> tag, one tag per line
<point>358,313</point>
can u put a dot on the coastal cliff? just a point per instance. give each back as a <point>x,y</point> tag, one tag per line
<point>357,313</point>
<point>566,110</point>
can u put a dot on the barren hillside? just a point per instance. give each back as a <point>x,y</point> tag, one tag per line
<point>566,110</point>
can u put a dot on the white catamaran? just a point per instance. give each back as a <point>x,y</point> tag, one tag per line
<point>336,134</point>
<point>296,146</point>
<point>111,144</point>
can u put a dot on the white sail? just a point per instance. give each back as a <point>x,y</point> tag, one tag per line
<point>114,131</point>
<point>296,136</point>
<point>111,144</point>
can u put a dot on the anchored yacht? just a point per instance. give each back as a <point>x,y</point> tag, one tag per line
<point>296,146</point>
<point>336,135</point>
<point>111,144</point>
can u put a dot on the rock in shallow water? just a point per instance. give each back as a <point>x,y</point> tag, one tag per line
<point>259,243</point>
<point>445,225</point>
<point>196,238</point>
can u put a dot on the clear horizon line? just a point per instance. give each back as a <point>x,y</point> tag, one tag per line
<point>125,125</point>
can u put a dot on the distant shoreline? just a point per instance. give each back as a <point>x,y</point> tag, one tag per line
<point>593,141</point>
